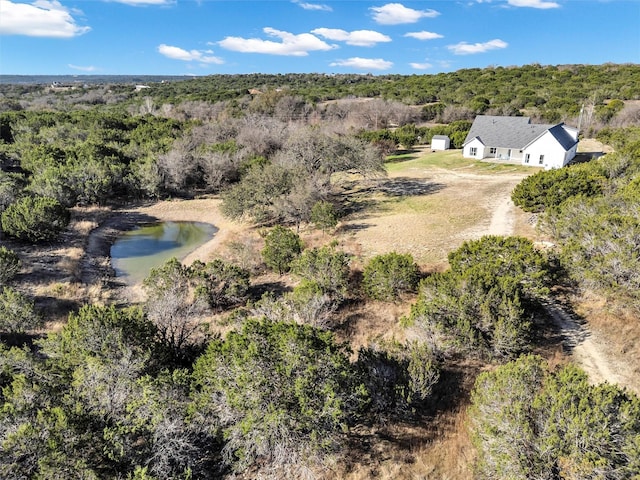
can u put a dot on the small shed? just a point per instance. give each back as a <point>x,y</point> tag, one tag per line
<point>440,142</point>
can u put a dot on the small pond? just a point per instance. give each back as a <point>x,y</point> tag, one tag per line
<point>136,252</point>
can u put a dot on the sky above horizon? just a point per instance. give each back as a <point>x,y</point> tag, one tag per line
<point>206,37</point>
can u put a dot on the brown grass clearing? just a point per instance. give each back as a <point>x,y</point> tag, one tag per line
<point>591,145</point>
<point>433,445</point>
<point>410,452</point>
<point>428,211</point>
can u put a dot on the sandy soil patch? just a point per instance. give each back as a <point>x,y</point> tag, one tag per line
<point>591,145</point>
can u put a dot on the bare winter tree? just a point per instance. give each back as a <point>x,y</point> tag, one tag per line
<point>199,110</point>
<point>377,113</point>
<point>453,113</point>
<point>320,153</point>
<point>292,108</point>
<point>262,135</point>
<point>148,106</point>
<point>197,161</point>
<point>174,309</point>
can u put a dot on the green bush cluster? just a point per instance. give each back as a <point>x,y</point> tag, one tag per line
<point>529,422</point>
<point>99,399</point>
<point>549,188</point>
<point>35,219</point>
<point>387,276</point>
<point>10,264</point>
<point>482,305</point>
<point>590,211</point>
<point>281,247</point>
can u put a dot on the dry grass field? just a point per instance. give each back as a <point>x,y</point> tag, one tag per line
<point>432,202</point>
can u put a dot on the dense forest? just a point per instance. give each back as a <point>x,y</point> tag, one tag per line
<point>274,388</point>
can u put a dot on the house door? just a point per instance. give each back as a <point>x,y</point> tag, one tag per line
<point>509,154</point>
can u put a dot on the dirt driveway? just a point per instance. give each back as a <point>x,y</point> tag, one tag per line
<point>429,211</point>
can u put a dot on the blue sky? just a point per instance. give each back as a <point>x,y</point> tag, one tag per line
<point>204,37</point>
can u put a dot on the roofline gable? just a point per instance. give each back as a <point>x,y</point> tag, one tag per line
<point>471,140</point>
<point>549,130</point>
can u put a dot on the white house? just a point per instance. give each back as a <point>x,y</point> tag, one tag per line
<point>517,140</point>
<point>440,142</point>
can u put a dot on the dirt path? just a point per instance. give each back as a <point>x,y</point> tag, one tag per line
<point>503,218</point>
<point>588,350</point>
<point>584,348</point>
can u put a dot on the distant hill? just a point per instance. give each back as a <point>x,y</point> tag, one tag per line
<point>89,79</point>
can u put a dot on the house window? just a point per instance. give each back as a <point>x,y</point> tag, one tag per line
<point>473,151</point>
<point>526,158</point>
<point>541,161</point>
<point>493,150</point>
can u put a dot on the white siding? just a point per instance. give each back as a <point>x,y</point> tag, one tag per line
<point>477,144</point>
<point>440,143</point>
<point>554,156</point>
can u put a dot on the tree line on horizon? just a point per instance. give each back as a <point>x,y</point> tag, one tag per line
<point>551,93</point>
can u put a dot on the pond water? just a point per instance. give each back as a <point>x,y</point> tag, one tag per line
<point>137,251</point>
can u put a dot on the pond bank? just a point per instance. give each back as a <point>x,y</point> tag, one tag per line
<point>96,262</point>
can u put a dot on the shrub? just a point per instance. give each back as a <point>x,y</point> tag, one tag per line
<point>324,216</point>
<point>9,264</point>
<point>327,268</point>
<point>387,276</point>
<point>550,188</point>
<point>282,246</point>
<point>482,304</point>
<point>17,314</point>
<point>310,305</point>
<point>494,259</point>
<point>174,308</point>
<point>287,393</point>
<point>460,315</point>
<point>398,377</point>
<point>527,422</point>
<point>35,219</point>
<point>222,284</point>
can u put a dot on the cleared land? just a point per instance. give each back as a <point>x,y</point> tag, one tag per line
<point>432,202</point>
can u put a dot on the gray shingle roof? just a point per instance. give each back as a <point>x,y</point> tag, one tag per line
<point>509,132</point>
<point>440,137</point>
<point>562,136</point>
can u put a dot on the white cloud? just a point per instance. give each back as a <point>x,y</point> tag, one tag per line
<point>42,18</point>
<point>359,38</point>
<point>140,3</point>
<point>421,66</point>
<point>533,4</point>
<point>313,6</point>
<point>177,53</point>
<point>396,14</point>
<point>290,44</point>
<point>83,69</point>
<point>423,35</point>
<point>363,63</point>
<point>464,48</point>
